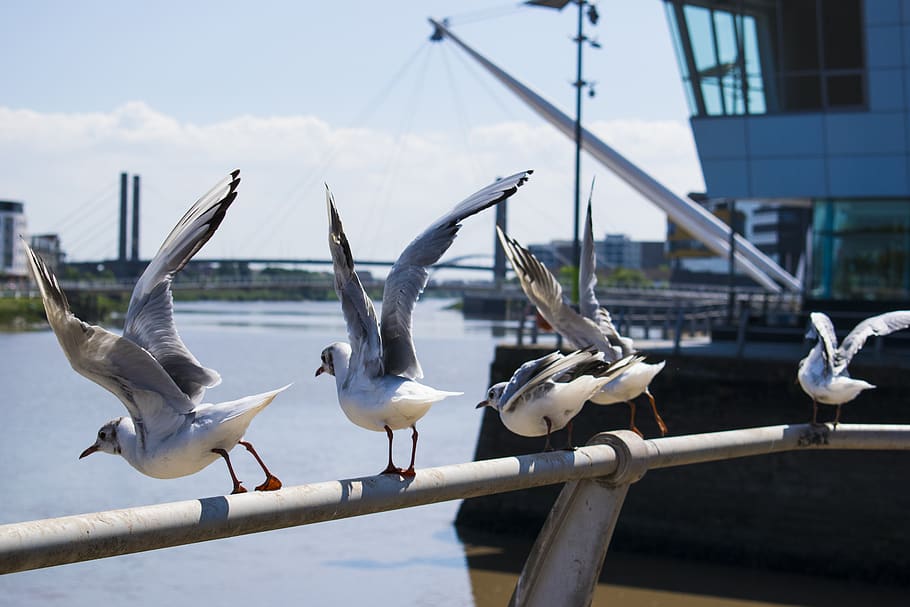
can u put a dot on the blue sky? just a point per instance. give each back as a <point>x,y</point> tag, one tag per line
<point>300,93</point>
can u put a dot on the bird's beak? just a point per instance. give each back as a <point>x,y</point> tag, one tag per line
<point>320,371</point>
<point>481,405</point>
<point>89,451</point>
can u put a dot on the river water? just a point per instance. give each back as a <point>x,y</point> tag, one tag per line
<point>407,557</point>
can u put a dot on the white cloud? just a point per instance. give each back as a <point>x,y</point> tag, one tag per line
<point>65,167</point>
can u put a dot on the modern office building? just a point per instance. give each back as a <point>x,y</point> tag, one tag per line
<point>779,231</point>
<point>48,246</point>
<point>12,225</point>
<point>806,104</point>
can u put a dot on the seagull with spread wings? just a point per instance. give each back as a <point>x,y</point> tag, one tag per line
<point>169,432</point>
<point>377,372</point>
<point>544,395</point>
<point>823,373</point>
<point>593,326</point>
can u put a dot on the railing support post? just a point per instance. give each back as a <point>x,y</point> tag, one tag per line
<point>568,555</point>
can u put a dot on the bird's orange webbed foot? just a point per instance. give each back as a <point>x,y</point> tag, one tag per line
<point>271,483</point>
<point>390,469</point>
<point>238,488</point>
<point>409,473</point>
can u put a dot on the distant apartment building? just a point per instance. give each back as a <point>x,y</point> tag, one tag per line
<point>779,231</point>
<point>48,247</point>
<point>614,251</point>
<point>12,254</point>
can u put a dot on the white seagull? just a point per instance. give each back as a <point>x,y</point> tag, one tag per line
<point>545,394</point>
<point>376,373</point>
<point>823,373</point>
<point>168,433</point>
<point>592,327</point>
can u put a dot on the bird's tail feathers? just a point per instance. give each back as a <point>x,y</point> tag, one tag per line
<point>252,404</point>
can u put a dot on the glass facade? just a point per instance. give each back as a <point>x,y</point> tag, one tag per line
<point>859,249</point>
<point>741,57</point>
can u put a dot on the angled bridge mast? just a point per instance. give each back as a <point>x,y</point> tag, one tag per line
<point>693,218</point>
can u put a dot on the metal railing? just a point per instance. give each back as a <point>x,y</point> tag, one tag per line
<point>571,546</point>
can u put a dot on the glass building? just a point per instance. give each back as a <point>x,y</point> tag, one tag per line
<point>807,103</point>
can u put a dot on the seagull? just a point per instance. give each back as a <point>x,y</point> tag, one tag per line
<point>545,394</point>
<point>823,373</point>
<point>592,327</point>
<point>169,433</point>
<point>376,373</point>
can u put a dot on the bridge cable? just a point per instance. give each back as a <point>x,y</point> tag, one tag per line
<point>287,206</point>
<point>393,164</point>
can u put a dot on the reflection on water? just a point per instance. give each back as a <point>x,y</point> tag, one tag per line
<point>647,581</point>
<point>406,557</point>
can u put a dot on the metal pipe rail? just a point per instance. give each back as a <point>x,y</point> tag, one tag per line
<point>612,459</point>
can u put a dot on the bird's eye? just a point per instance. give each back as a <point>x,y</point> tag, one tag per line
<point>102,435</point>
<point>491,394</point>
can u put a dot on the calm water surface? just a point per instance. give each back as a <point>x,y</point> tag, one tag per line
<point>408,557</point>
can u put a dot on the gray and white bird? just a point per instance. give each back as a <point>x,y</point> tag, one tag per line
<point>545,394</point>
<point>376,373</point>
<point>593,326</point>
<point>823,373</point>
<point>169,432</point>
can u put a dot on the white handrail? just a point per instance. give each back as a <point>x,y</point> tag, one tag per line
<point>619,457</point>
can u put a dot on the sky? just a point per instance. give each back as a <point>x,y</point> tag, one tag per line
<point>349,94</point>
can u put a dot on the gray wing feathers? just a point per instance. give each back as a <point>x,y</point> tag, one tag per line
<point>113,362</point>
<point>883,324</point>
<point>545,292</point>
<point>587,281</point>
<point>587,277</point>
<point>150,317</point>
<point>409,275</point>
<point>359,314</point>
<point>824,329</point>
<point>552,368</point>
<point>525,372</point>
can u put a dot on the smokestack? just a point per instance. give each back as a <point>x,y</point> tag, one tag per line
<point>134,242</point>
<point>121,255</point>
<point>499,255</point>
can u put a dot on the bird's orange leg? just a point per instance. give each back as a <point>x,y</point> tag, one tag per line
<point>837,417</point>
<point>547,446</point>
<point>391,468</point>
<point>271,482</point>
<point>238,488</point>
<point>569,445</point>
<point>632,425</point>
<point>409,473</point>
<point>657,417</point>
<point>814,421</point>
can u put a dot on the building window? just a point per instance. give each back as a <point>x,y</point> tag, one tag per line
<point>860,249</point>
<point>758,56</point>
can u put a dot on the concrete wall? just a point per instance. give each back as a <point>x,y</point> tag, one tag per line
<point>827,513</point>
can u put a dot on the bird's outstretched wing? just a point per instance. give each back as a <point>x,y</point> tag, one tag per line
<point>150,316</point>
<point>587,300</point>
<point>545,292</point>
<point>524,373</point>
<point>156,404</point>
<point>409,275</point>
<point>542,370</point>
<point>824,330</point>
<point>883,324</point>
<point>359,314</point>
